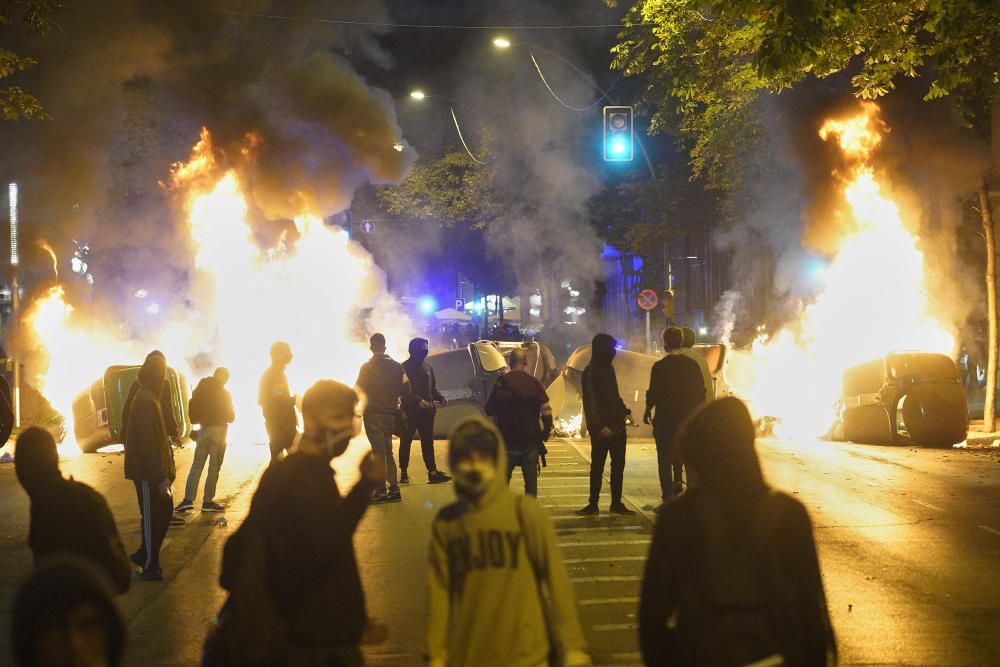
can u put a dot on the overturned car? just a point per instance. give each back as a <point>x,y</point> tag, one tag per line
<point>97,411</point>
<point>465,377</point>
<point>903,397</point>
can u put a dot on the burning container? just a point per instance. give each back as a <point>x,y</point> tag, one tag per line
<point>904,397</point>
<point>97,411</point>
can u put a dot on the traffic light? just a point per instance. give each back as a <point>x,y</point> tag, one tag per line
<point>618,134</point>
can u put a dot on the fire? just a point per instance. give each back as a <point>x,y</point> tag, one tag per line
<point>874,300</point>
<point>311,291</point>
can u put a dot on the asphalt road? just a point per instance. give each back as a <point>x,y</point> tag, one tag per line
<point>909,541</point>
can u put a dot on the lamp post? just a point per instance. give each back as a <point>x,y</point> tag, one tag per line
<point>15,261</point>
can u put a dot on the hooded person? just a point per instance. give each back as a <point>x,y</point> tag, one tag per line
<point>605,414</point>
<point>688,340</point>
<point>166,402</point>
<point>732,575</point>
<point>492,553</point>
<point>67,517</point>
<point>149,463</point>
<point>420,406</point>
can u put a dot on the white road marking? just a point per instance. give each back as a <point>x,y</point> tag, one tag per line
<point>605,543</point>
<point>591,603</point>
<point>610,529</point>
<point>990,530</point>
<point>614,627</point>
<point>603,559</point>
<point>604,579</point>
<point>928,505</point>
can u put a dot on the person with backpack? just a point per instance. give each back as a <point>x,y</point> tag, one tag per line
<point>732,576</point>
<point>605,413</point>
<point>521,407</point>
<point>211,407</point>
<point>499,592</point>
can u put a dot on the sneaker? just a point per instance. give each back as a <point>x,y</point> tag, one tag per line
<point>150,574</point>
<point>589,510</point>
<point>620,509</point>
<point>185,506</point>
<point>437,477</point>
<point>404,478</point>
<point>212,506</point>
<point>139,560</point>
<point>177,521</point>
<point>389,497</point>
<point>678,488</point>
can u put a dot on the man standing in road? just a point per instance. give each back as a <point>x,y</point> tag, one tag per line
<point>149,463</point>
<point>523,415</point>
<point>605,413</point>
<point>687,349</point>
<point>676,388</point>
<point>382,382</point>
<point>293,556</point>
<point>211,406</point>
<point>67,517</point>
<point>419,406</point>
<point>277,402</point>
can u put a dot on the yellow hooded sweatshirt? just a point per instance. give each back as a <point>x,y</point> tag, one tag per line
<point>485,605</point>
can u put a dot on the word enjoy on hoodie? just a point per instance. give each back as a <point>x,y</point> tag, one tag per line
<point>492,549</point>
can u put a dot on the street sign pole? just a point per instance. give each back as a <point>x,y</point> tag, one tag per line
<point>15,261</point>
<point>647,301</point>
<point>649,339</point>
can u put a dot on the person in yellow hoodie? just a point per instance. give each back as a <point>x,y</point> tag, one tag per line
<point>499,592</point>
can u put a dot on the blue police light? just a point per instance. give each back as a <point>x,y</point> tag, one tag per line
<point>427,305</point>
<point>478,307</point>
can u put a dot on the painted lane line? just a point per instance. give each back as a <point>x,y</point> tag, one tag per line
<point>610,529</point>
<point>591,603</point>
<point>604,559</point>
<point>614,627</point>
<point>988,529</point>
<point>604,579</point>
<point>928,505</point>
<point>603,543</point>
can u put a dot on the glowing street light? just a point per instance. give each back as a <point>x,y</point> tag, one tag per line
<point>418,94</point>
<point>501,43</point>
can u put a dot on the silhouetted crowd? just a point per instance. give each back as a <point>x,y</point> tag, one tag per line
<point>732,576</point>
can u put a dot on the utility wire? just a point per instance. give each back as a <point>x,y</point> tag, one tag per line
<point>428,26</point>
<point>459,130</point>
<point>558,99</point>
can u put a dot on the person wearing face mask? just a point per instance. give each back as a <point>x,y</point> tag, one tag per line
<point>492,553</point>
<point>605,413</point>
<point>419,406</point>
<point>302,528</point>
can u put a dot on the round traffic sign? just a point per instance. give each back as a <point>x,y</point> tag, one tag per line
<point>647,299</point>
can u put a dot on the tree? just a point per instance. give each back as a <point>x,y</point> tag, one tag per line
<point>710,62</point>
<point>36,16</point>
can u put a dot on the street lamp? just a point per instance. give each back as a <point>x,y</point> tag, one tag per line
<point>417,94</point>
<point>501,43</point>
<point>420,96</point>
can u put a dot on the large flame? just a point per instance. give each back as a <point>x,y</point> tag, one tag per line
<point>311,292</point>
<point>874,300</point>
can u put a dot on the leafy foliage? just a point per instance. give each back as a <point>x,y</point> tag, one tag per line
<point>708,62</point>
<point>35,16</point>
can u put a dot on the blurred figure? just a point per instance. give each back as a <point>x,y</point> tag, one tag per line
<point>296,596</point>
<point>63,616</point>
<point>67,517</point>
<point>732,576</point>
<point>524,417</point>
<point>383,382</point>
<point>149,463</point>
<point>605,414</point>
<point>687,349</point>
<point>166,403</point>
<point>277,402</point>
<point>499,592</point>
<point>675,390</point>
<point>211,407</point>
<point>420,406</point>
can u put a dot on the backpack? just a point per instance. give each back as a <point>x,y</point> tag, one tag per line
<point>729,611</point>
<point>196,404</point>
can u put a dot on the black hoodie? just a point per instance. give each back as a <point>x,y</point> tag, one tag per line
<point>148,456</point>
<point>602,405</point>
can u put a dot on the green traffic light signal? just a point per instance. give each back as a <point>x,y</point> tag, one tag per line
<point>618,134</point>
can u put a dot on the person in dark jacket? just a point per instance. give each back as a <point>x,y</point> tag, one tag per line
<point>277,402</point>
<point>63,614</point>
<point>521,407</point>
<point>166,404</point>
<point>67,517</point>
<point>382,382</point>
<point>419,406</point>
<point>732,575</point>
<point>676,389</point>
<point>149,463</point>
<point>605,413</point>
<point>306,528</point>
<point>211,407</point>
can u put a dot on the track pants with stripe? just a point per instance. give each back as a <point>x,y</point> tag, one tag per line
<point>155,508</point>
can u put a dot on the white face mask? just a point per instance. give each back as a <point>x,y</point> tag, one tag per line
<point>334,442</point>
<point>474,476</point>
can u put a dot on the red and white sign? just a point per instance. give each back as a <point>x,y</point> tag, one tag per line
<point>647,299</point>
